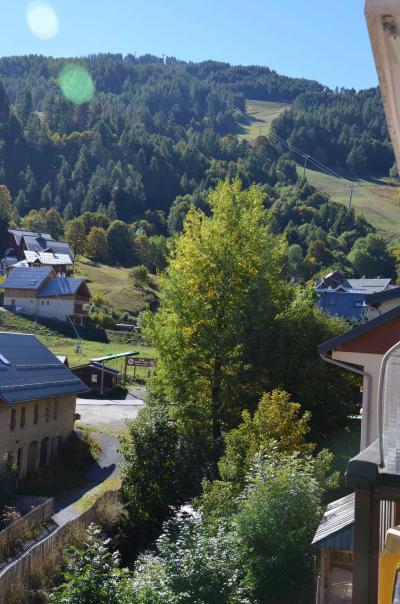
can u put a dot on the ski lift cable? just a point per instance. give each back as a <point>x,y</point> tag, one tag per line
<point>312,159</point>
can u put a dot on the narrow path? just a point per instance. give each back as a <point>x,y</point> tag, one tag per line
<point>107,466</point>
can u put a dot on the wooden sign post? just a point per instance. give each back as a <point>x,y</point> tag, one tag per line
<point>138,362</point>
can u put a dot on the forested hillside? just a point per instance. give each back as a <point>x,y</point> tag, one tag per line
<point>346,130</point>
<point>157,134</point>
<point>151,133</point>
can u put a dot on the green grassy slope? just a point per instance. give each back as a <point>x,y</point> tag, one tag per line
<point>377,199</point>
<point>59,344</point>
<point>115,284</point>
<point>259,117</point>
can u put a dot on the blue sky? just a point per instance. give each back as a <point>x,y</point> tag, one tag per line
<point>319,39</point>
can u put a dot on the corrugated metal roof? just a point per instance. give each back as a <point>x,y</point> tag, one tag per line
<point>27,278</point>
<point>336,526</point>
<point>47,258</point>
<point>388,294</point>
<point>60,286</point>
<point>110,357</point>
<point>41,243</point>
<point>29,371</point>
<point>59,247</point>
<point>369,285</point>
<point>18,235</point>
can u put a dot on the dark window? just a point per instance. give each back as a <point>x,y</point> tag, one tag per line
<point>23,417</point>
<point>36,414</point>
<point>9,461</point>
<point>47,414</point>
<point>55,410</point>
<point>13,421</point>
<point>19,460</point>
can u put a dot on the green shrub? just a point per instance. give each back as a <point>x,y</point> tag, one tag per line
<point>140,275</point>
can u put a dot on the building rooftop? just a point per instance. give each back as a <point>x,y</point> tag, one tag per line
<point>97,366</point>
<point>19,234</point>
<point>29,371</point>
<point>336,527</point>
<point>357,331</point>
<point>41,242</point>
<point>27,278</point>
<point>48,258</point>
<point>43,281</point>
<point>60,286</point>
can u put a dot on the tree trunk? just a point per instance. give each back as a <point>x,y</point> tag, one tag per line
<point>215,417</point>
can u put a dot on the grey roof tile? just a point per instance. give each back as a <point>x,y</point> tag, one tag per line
<point>27,278</point>
<point>60,286</point>
<point>338,518</point>
<point>29,371</point>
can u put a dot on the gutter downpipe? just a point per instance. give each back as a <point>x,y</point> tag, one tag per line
<point>380,401</point>
<point>365,374</point>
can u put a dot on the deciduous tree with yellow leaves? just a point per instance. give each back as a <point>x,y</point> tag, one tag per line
<point>220,293</point>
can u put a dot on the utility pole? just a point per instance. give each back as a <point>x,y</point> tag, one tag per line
<point>351,186</point>
<point>305,165</point>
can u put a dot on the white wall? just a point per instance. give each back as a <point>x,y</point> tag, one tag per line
<point>51,308</point>
<point>371,364</point>
<point>385,306</point>
<point>55,308</point>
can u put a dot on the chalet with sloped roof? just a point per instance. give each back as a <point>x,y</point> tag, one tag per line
<point>41,293</point>
<point>346,298</point>
<point>28,248</point>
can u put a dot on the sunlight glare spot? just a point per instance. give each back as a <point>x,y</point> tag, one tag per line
<point>76,84</point>
<point>42,20</point>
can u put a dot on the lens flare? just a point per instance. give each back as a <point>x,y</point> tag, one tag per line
<point>76,84</point>
<point>42,20</point>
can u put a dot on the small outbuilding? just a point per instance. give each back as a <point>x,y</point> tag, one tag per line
<point>334,542</point>
<point>96,377</point>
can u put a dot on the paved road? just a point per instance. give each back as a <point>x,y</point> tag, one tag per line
<point>111,414</point>
<point>108,413</point>
<point>105,467</point>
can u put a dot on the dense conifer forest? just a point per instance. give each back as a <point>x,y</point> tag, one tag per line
<point>158,129</point>
<point>159,133</point>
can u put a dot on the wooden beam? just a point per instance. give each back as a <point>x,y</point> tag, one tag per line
<point>322,576</point>
<point>366,548</point>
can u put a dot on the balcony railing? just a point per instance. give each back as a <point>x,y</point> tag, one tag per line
<point>389,411</point>
<point>83,312</point>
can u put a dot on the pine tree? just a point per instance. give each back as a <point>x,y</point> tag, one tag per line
<point>21,203</point>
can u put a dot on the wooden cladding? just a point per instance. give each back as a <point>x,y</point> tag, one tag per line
<point>375,341</point>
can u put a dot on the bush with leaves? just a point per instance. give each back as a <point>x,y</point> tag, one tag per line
<point>258,551</point>
<point>140,275</point>
<point>276,518</point>
<point>92,575</point>
<point>158,472</point>
<point>191,564</point>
